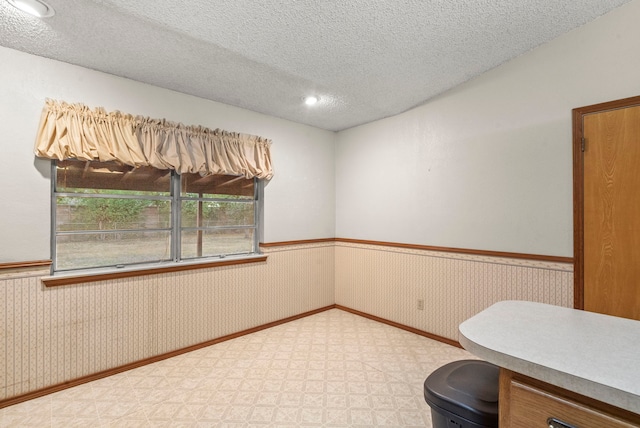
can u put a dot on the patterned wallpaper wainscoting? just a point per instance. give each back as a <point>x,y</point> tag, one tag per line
<point>387,282</point>
<point>53,335</point>
<point>49,336</point>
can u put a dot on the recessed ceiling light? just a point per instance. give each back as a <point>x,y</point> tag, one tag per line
<point>311,100</point>
<point>36,8</point>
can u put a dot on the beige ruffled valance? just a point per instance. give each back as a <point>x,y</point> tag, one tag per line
<point>73,131</point>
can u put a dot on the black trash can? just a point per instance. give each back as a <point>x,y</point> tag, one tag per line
<point>463,394</point>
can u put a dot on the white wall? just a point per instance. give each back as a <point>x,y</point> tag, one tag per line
<point>484,166</point>
<point>488,165</point>
<point>299,201</point>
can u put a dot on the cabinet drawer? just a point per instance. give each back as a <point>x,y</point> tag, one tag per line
<point>530,407</point>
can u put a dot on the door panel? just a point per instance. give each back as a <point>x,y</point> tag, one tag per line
<point>612,212</point>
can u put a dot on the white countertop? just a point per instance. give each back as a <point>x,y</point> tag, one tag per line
<point>592,354</point>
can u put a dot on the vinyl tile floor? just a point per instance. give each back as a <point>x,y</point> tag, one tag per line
<point>332,369</point>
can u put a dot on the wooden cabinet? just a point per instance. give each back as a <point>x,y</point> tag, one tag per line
<point>529,403</point>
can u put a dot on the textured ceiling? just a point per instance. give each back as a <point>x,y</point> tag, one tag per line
<point>365,59</point>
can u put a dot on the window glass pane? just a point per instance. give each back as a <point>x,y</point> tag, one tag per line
<point>217,186</point>
<point>111,213</point>
<point>217,213</point>
<point>108,214</point>
<point>89,250</point>
<point>207,243</point>
<point>73,176</point>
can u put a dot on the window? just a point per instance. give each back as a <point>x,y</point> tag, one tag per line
<point>111,215</point>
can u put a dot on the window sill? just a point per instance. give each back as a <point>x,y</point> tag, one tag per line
<point>107,274</point>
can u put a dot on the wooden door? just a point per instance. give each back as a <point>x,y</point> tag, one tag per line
<point>610,158</point>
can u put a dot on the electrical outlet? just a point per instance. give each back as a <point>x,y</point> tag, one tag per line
<point>420,305</point>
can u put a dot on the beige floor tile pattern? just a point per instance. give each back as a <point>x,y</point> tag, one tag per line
<point>332,369</point>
